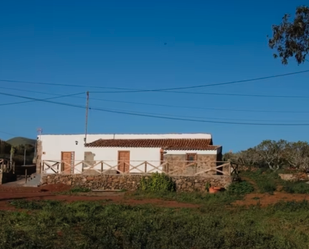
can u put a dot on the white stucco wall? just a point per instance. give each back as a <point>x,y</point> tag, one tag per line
<point>200,152</point>
<point>53,145</point>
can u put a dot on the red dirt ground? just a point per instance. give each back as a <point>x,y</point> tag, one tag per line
<point>51,192</point>
<point>267,199</point>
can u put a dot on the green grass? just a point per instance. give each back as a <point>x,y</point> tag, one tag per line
<point>240,188</point>
<point>296,187</point>
<point>75,191</point>
<point>218,199</point>
<point>92,225</point>
<point>267,181</point>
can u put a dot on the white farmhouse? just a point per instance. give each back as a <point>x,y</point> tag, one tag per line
<point>127,153</point>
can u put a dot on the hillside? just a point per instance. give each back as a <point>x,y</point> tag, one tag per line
<point>4,149</point>
<point>16,141</point>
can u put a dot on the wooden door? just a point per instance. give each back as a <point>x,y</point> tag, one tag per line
<point>67,162</point>
<point>124,161</point>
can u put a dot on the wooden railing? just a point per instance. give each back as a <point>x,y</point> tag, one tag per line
<point>180,168</point>
<point>6,166</point>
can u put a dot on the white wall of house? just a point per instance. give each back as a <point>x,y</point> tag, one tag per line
<point>199,152</point>
<point>138,157</point>
<point>53,145</point>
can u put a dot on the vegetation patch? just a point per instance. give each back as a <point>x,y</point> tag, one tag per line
<point>240,188</point>
<point>93,225</point>
<point>157,183</point>
<point>266,180</point>
<point>296,187</point>
<point>35,205</point>
<point>76,190</point>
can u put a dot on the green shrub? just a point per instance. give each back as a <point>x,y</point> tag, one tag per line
<point>267,187</point>
<point>157,182</point>
<point>35,205</point>
<point>93,225</point>
<point>296,187</point>
<point>240,188</point>
<point>291,206</point>
<point>79,190</point>
<point>265,180</point>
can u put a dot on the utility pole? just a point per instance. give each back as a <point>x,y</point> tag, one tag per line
<point>86,125</point>
<point>25,151</point>
<point>39,131</point>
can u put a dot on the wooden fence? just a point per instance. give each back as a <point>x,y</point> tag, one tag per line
<point>6,166</point>
<point>179,168</point>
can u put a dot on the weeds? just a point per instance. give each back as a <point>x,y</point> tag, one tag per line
<point>76,190</point>
<point>296,187</point>
<point>157,183</point>
<point>266,181</point>
<point>92,225</point>
<point>240,188</point>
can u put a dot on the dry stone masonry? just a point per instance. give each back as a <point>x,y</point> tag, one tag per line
<point>131,182</point>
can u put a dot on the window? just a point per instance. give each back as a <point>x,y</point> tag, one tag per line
<point>191,163</point>
<point>191,157</point>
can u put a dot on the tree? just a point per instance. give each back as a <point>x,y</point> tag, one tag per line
<point>297,154</point>
<point>271,153</point>
<point>291,38</point>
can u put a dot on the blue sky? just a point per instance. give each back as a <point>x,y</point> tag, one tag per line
<point>148,45</point>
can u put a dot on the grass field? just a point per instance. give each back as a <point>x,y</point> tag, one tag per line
<point>210,221</point>
<point>52,224</point>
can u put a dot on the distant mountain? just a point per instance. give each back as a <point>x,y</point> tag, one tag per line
<point>16,141</point>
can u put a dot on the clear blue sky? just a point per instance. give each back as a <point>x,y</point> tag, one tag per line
<point>143,44</point>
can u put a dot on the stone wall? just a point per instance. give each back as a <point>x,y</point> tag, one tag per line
<point>295,177</point>
<point>131,182</point>
<point>179,163</point>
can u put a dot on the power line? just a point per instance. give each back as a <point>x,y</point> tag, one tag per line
<point>232,82</point>
<point>161,116</point>
<point>7,133</point>
<point>198,120</point>
<point>160,89</point>
<point>59,84</point>
<point>165,105</point>
<point>183,92</point>
<point>195,117</point>
<point>22,102</point>
<point>29,91</point>
<point>195,107</point>
<point>227,94</point>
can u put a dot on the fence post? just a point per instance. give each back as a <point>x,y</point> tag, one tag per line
<point>229,168</point>
<point>145,166</point>
<point>101,167</point>
<point>26,175</point>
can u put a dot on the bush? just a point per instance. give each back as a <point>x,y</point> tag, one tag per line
<point>93,225</point>
<point>291,206</point>
<point>35,205</point>
<point>240,188</point>
<point>296,187</point>
<point>157,183</point>
<point>266,180</point>
<point>79,190</point>
<point>267,187</point>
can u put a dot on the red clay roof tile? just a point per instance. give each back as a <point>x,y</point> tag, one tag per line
<point>167,144</point>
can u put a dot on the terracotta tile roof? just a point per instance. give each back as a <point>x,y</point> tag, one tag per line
<point>167,144</point>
